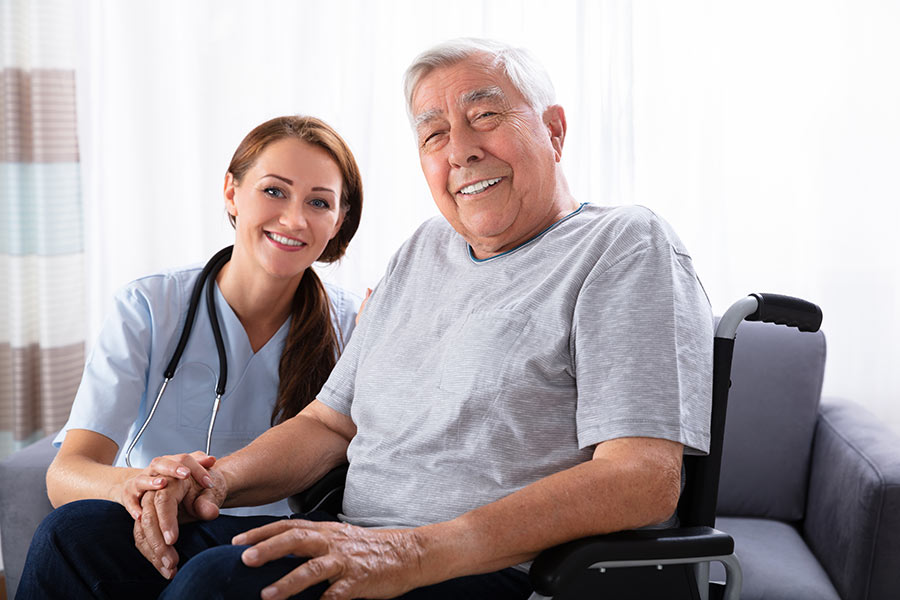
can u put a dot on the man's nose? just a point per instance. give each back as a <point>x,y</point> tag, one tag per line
<point>465,147</point>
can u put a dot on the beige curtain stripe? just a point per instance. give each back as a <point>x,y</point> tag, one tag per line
<point>41,383</point>
<point>37,112</point>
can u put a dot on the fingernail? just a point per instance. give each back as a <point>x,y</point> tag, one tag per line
<point>166,562</point>
<point>238,540</point>
<point>169,537</point>
<point>207,481</point>
<point>167,573</point>
<point>183,471</point>
<point>269,592</point>
<point>251,554</point>
<point>157,481</point>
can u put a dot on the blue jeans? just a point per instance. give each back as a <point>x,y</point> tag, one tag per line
<point>86,549</point>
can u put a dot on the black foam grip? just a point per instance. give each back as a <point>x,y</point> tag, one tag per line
<point>787,310</point>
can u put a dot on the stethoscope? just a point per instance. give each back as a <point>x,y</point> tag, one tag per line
<point>208,278</point>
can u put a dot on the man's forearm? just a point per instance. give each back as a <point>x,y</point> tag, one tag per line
<point>615,491</point>
<point>283,461</point>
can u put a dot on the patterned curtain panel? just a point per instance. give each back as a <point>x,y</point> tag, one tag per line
<point>41,240</point>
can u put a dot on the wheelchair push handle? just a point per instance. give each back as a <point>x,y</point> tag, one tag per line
<point>787,310</point>
<point>770,308</point>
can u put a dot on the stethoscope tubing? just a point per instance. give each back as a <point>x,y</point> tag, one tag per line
<point>207,278</point>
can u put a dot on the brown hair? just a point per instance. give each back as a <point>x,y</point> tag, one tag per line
<point>312,345</point>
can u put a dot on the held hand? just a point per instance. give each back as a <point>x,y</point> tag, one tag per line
<point>180,500</point>
<point>155,475</point>
<point>358,562</point>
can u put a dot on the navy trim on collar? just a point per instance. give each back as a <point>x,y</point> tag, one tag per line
<point>523,244</point>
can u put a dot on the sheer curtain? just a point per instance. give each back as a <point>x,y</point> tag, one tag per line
<point>169,89</point>
<point>767,135</point>
<point>41,244</point>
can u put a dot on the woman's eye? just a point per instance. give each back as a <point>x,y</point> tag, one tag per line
<point>320,203</point>
<point>273,192</point>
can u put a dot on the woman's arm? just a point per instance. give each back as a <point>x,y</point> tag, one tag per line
<point>83,469</point>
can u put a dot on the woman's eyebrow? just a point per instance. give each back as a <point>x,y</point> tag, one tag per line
<point>284,179</point>
<point>324,189</point>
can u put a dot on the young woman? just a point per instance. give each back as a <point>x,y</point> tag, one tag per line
<point>294,196</point>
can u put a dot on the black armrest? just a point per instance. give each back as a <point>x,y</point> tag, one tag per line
<point>326,494</point>
<point>555,567</point>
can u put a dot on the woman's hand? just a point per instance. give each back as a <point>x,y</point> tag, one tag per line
<point>155,477</point>
<point>359,562</point>
<point>179,501</point>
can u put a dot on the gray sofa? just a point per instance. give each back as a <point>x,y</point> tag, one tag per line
<point>810,491</point>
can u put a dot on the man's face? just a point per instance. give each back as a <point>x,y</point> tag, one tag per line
<point>488,157</point>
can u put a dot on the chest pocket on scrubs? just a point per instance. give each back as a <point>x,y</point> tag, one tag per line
<point>196,397</point>
<point>475,359</point>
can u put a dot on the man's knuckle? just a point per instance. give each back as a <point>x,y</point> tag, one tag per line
<point>316,568</point>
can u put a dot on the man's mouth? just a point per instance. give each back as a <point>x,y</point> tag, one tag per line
<point>286,241</point>
<point>480,186</point>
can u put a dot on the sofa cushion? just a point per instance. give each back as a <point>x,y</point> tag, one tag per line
<point>772,410</point>
<point>23,504</point>
<point>776,563</point>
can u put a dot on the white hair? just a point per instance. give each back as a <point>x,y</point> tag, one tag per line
<point>520,66</point>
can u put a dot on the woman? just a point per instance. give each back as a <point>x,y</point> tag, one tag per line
<point>293,193</point>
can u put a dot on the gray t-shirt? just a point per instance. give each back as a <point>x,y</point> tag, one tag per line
<point>468,380</point>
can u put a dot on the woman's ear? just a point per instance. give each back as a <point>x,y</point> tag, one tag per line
<point>230,206</point>
<point>337,226</point>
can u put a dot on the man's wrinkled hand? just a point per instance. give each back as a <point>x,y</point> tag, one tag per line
<point>359,563</point>
<point>181,500</point>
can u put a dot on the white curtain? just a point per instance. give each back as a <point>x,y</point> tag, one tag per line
<point>767,134</point>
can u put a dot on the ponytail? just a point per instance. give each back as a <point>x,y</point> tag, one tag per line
<point>310,350</point>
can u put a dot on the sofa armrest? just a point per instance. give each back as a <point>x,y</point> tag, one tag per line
<point>852,519</point>
<point>23,504</point>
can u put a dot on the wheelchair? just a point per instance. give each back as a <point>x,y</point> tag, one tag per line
<point>671,564</point>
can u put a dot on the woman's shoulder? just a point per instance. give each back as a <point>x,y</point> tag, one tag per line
<point>344,301</point>
<point>164,288</point>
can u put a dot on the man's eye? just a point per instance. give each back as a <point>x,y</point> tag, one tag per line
<point>273,192</point>
<point>485,114</point>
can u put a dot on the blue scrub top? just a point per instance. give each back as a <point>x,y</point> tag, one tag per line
<point>124,372</point>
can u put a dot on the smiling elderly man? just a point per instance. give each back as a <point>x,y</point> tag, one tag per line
<point>530,370</point>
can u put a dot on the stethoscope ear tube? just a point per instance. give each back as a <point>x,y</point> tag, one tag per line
<point>213,266</point>
<point>210,270</point>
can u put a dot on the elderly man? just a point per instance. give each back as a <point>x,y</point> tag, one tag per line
<point>530,370</point>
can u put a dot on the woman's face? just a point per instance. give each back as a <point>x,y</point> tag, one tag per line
<point>287,207</point>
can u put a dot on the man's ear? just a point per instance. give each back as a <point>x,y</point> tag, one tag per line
<point>229,195</point>
<point>555,120</point>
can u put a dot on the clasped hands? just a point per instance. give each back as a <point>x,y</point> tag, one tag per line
<point>358,562</point>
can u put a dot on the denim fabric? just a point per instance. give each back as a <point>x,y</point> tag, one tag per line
<point>85,549</point>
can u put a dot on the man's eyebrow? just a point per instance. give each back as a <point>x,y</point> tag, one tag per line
<point>428,115</point>
<point>488,93</point>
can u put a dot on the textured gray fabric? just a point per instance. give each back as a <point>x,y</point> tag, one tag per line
<point>853,516</point>
<point>469,380</point>
<point>775,561</point>
<point>772,411</point>
<point>23,504</point>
